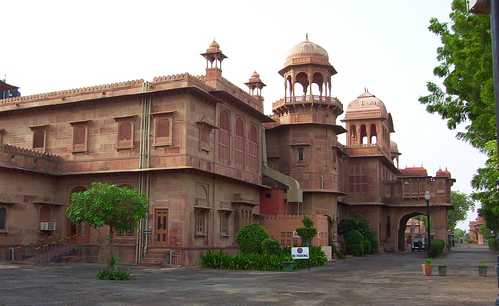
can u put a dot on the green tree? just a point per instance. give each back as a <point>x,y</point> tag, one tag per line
<point>459,234</point>
<point>307,232</point>
<point>467,95</point>
<point>461,204</point>
<point>484,182</point>
<point>465,65</point>
<point>106,204</point>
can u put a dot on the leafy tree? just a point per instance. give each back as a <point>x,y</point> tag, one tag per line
<point>465,65</point>
<point>307,232</point>
<point>484,182</point>
<point>108,204</point>
<point>461,204</point>
<point>459,234</point>
<point>467,95</point>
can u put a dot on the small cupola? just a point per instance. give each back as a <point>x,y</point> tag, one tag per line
<point>214,57</point>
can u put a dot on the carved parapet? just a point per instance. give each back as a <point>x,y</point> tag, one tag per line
<point>27,159</point>
<point>73,92</point>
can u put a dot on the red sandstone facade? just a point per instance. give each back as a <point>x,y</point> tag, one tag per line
<point>209,160</point>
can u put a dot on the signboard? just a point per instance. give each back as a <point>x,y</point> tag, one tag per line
<point>300,253</point>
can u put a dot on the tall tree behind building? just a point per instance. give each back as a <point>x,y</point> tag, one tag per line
<point>467,94</point>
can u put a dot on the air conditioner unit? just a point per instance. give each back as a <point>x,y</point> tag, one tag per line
<point>47,226</point>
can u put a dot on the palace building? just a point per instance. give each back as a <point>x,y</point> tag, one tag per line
<point>209,161</point>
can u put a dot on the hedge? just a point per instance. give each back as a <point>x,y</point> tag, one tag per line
<point>262,262</point>
<point>437,247</point>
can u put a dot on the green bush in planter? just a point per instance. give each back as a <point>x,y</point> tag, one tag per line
<point>354,243</point>
<point>437,247</point>
<point>271,247</point>
<point>307,232</point>
<point>250,238</point>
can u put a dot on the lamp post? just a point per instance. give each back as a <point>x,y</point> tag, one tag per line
<point>427,197</point>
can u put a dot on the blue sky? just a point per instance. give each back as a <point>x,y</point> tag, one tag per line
<point>382,45</point>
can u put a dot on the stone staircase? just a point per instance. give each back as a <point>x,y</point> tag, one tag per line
<point>156,257</point>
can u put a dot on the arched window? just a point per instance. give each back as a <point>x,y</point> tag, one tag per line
<point>353,134</point>
<point>302,79</point>
<point>3,218</point>
<point>253,148</point>
<point>224,137</point>
<point>363,134</point>
<point>239,142</point>
<point>374,135</point>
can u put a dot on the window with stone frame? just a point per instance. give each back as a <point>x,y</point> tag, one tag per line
<point>224,224</point>
<point>80,137</point>
<point>239,142</point>
<point>200,222</point>
<point>163,130</point>
<point>39,137</point>
<point>204,137</point>
<point>126,129</point>
<point>3,218</point>
<point>224,137</point>
<point>253,148</point>
<point>2,132</point>
<point>301,153</point>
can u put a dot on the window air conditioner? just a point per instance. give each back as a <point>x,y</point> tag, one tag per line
<point>47,226</point>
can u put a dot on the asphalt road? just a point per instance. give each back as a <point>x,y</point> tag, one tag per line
<point>385,279</point>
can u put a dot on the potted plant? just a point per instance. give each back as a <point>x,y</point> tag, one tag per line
<point>442,270</point>
<point>427,267</point>
<point>482,269</point>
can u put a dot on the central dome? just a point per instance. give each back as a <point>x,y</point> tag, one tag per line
<point>307,52</point>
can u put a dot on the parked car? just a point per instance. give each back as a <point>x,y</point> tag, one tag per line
<point>418,244</point>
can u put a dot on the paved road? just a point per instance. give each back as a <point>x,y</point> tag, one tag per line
<point>384,279</point>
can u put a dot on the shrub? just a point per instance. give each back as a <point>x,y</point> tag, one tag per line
<point>362,226</point>
<point>271,247</point>
<point>112,272</point>
<point>316,258</point>
<point>337,253</point>
<point>250,238</point>
<point>307,232</point>
<point>428,261</point>
<point>354,243</point>
<point>373,239</point>
<point>437,247</point>
<point>262,262</point>
<point>493,245</point>
<point>367,246</point>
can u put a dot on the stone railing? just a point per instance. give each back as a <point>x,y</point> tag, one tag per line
<point>307,99</point>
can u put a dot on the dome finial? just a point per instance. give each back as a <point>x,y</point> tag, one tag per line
<point>306,36</point>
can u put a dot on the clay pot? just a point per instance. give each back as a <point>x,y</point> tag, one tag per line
<point>427,269</point>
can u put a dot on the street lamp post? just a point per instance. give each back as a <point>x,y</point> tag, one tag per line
<point>427,197</point>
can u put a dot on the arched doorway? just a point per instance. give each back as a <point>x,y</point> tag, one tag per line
<point>403,236</point>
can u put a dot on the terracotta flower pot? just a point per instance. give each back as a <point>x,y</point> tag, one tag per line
<point>427,269</point>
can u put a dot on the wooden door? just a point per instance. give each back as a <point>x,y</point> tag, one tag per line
<point>161,227</point>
